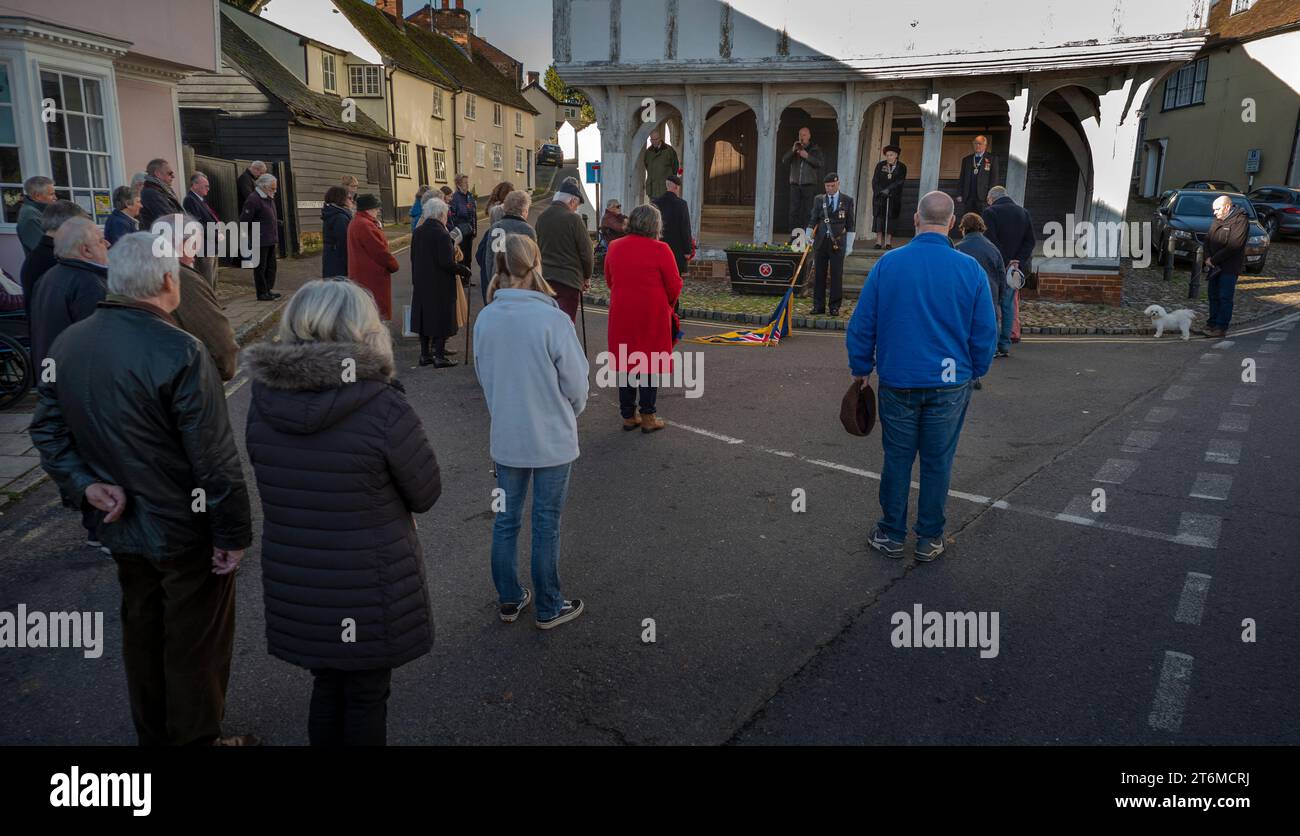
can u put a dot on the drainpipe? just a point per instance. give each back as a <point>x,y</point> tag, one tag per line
<point>391,68</point>
<point>455,158</point>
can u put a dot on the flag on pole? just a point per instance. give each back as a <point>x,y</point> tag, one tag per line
<point>777,326</point>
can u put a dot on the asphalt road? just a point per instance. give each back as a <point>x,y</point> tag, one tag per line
<point>774,626</point>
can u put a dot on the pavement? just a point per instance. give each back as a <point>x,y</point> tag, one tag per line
<point>772,624</point>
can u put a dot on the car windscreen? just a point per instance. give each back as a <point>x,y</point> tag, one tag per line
<point>1202,205</point>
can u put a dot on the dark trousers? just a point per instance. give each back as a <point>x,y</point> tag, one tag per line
<point>349,708</point>
<point>1219,290</point>
<point>801,204</point>
<point>467,252</point>
<point>433,346</point>
<point>832,263</point>
<point>628,400</point>
<point>568,298</point>
<point>178,630</point>
<point>264,272</point>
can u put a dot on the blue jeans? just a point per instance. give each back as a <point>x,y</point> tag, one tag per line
<point>1220,289</point>
<point>928,422</point>
<point>1006,317</point>
<point>550,487</point>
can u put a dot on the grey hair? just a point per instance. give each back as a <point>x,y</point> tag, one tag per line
<point>434,207</point>
<point>564,197</point>
<point>335,310</point>
<point>997,193</point>
<point>935,209</point>
<point>517,203</point>
<point>196,177</point>
<point>58,212</point>
<point>137,264</point>
<point>69,237</point>
<point>154,165</point>
<point>138,179</point>
<point>646,220</point>
<point>266,180</point>
<point>124,195</point>
<point>36,184</point>
<point>257,164</point>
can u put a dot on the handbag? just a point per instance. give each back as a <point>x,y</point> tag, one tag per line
<point>462,304</point>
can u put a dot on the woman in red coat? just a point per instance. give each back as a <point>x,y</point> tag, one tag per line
<point>370,264</point>
<point>644,284</point>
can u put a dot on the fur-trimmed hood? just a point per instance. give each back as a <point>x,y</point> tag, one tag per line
<point>306,387</point>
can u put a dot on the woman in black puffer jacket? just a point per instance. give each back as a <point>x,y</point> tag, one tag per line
<point>335,216</point>
<point>342,464</point>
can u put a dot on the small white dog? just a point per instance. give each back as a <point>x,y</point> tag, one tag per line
<point>1182,320</point>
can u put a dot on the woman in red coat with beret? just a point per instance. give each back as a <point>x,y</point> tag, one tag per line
<point>644,284</point>
<point>370,264</point>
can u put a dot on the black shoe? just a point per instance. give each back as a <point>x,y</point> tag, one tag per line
<point>449,352</point>
<point>889,246</point>
<point>835,310</point>
<point>274,295</point>
<point>426,360</point>
<point>879,247</point>
<point>1002,352</point>
<point>509,612</point>
<point>443,363</point>
<point>570,610</point>
<point>818,312</point>
<point>261,297</point>
<point>881,543</point>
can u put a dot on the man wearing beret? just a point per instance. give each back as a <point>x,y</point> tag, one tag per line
<point>832,239</point>
<point>676,214</point>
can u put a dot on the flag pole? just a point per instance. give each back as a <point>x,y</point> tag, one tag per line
<point>767,340</point>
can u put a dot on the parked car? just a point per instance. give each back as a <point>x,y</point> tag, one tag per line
<point>1186,215</point>
<point>1278,208</point>
<point>550,155</point>
<point>1212,185</point>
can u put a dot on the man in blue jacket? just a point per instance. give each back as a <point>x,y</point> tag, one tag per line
<point>925,324</point>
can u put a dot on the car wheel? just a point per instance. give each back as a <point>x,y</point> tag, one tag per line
<point>1270,226</point>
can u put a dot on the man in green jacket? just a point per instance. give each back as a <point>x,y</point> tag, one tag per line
<point>38,192</point>
<point>660,164</point>
<point>567,257</point>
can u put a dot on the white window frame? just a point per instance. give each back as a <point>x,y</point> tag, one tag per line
<point>520,160</point>
<point>570,112</point>
<point>1186,86</point>
<point>403,161</point>
<point>1239,6</point>
<point>439,166</point>
<point>498,156</point>
<point>66,190</point>
<point>519,123</point>
<point>366,73</point>
<point>437,103</point>
<point>480,153</point>
<point>498,116</point>
<point>15,190</point>
<point>328,72</point>
<point>471,106</point>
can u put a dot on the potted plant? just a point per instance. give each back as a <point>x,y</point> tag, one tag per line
<point>763,268</point>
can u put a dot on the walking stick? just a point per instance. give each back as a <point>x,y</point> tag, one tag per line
<point>469,309</point>
<point>582,306</point>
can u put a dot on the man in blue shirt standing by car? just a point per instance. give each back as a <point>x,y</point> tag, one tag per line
<point>925,324</point>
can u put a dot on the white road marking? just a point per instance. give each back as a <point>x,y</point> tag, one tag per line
<point>1192,376</point>
<point>1209,358</point>
<point>1247,395</point>
<point>1224,344</point>
<point>1211,486</point>
<point>1177,393</point>
<point>1171,692</point>
<point>718,436</point>
<point>1140,441</point>
<point>1234,422</point>
<point>1191,604</point>
<point>1269,348</point>
<point>1277,336</point>
<point>1199,530</point>
<point>1223,451</point>
<point>1160,414</point>
<point>1078,511</point>
<point>235,385</point>
<point>1115,471</point>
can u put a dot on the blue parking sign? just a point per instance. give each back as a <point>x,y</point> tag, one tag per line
<point>593,172</point>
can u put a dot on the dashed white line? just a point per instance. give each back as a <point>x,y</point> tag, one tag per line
<point>1115,471</point>
<point>1223,451</point>
<point>1160,414</point>
<point>1191,604</point>
<point>1171,692</point>
<point>1209,358</point>
<point>1269,348</point>
<point>1211,486</point>
<point>1234,422</point>
<point>1246,395</point>
<point>719,436</point>
<point>1198,530</point>
<point>1177,393</point>
<point>1140,441</point>
<point>1277,336</point>
<point>1224,344</point>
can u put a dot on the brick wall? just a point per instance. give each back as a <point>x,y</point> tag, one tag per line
<point>1094,288</point>
<point>705,270</point>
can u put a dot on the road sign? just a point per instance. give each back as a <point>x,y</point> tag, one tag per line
<point>1252,161</point>
<point>593,172</point>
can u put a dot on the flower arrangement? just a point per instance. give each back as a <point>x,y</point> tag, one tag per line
<point>741,246</point>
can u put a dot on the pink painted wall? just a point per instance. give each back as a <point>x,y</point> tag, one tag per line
<point>148,124</point>
<point>180,32</point>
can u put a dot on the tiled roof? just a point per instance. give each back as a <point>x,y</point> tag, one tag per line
<point>1264,17</point>
<point>392,42</point>
<point>477,75</point>
<point>274,78</point>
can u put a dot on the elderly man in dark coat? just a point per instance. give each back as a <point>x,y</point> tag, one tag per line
<point>979,173</point>
<point>260,209</point>
<point>677,222</point>
<point>42,258</point>
<point>514,212</point>
<point>70,290</point>
<point>1012,230</point>
<point>247,181</point>
<point>435,272</point>
<point>156,197</point>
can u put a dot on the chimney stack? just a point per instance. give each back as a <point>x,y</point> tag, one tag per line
<point>534,78</point>
<point>454,23</point>
<point>392,8</point>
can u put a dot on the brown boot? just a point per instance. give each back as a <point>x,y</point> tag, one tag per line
<point>651,423</point>
<point>631,423</point>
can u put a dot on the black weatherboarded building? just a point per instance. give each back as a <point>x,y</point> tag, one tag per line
<point>256,109</point>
